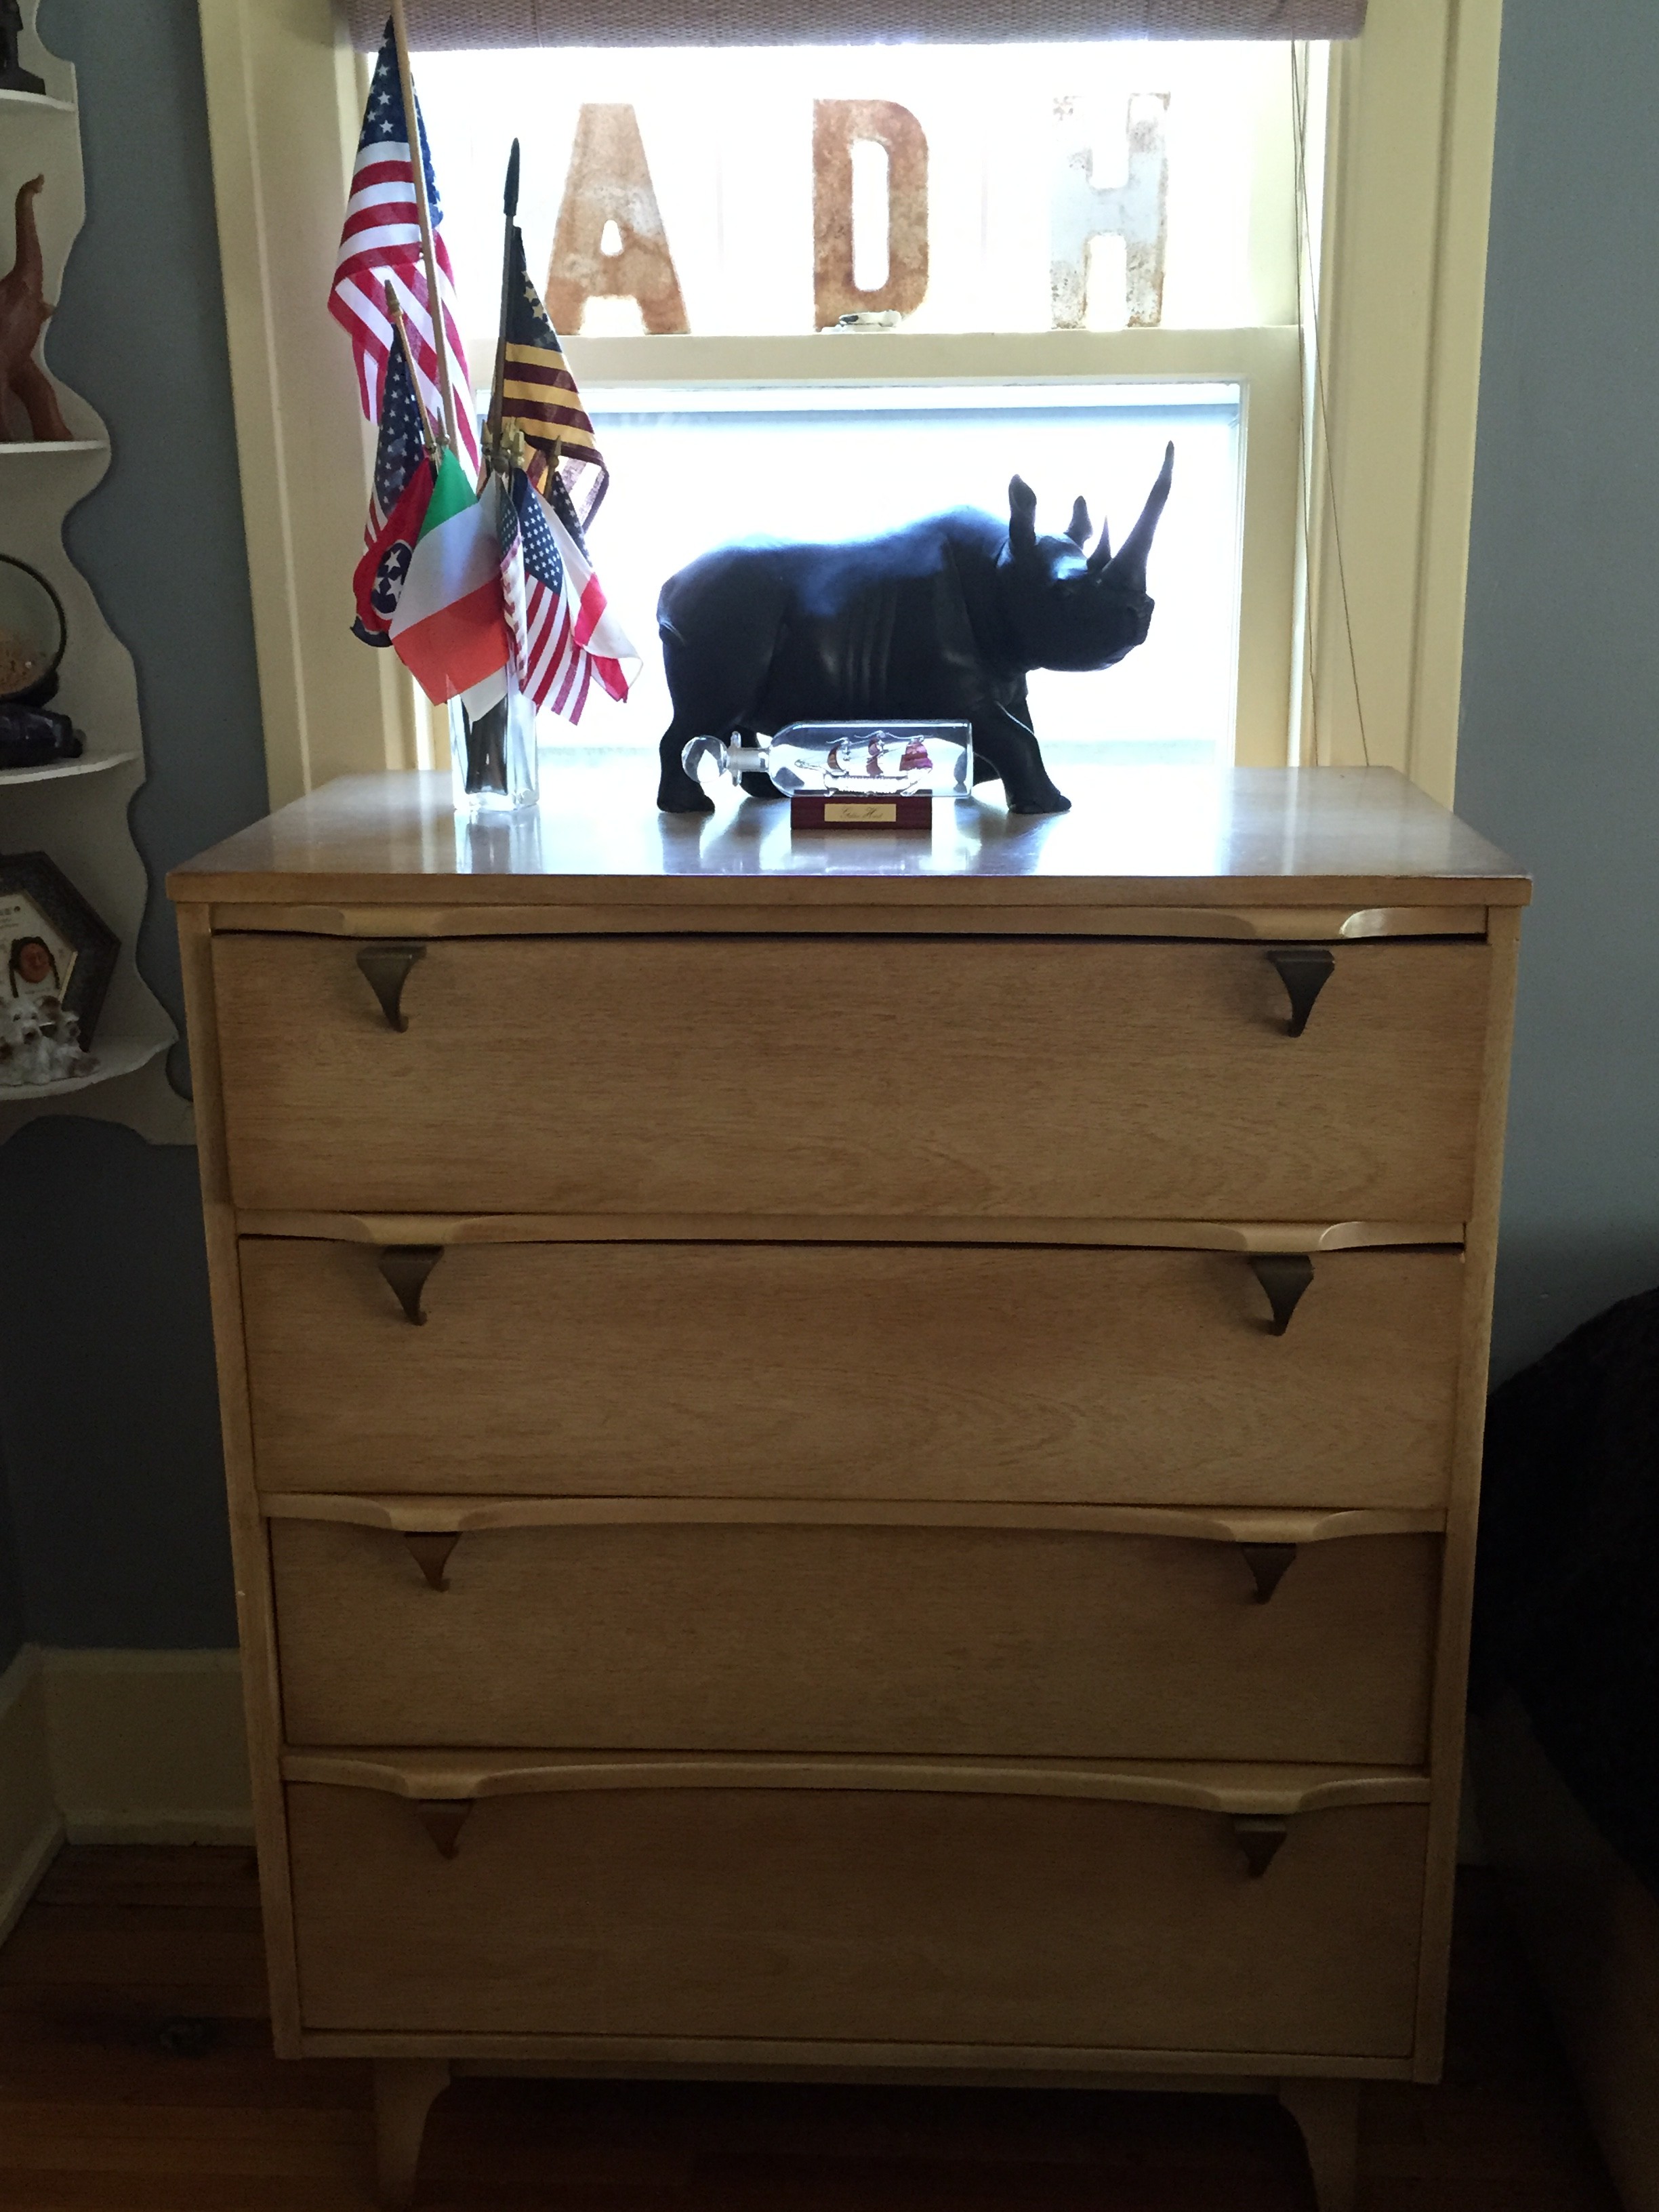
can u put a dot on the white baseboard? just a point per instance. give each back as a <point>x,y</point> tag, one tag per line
<point>148,1746</point>
<point>28,1871</point>
<point>31,1826</point>
<point>116,1747</point>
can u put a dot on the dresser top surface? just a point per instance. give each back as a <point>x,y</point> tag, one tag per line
<point>1135,835</point>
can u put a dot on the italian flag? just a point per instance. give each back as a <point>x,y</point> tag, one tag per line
<point>450,629</point>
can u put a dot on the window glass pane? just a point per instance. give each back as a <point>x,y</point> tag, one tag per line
<point>965,188</point>
<point>693,468</point>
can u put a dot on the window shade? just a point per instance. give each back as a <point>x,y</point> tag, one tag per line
<point>846,22</point>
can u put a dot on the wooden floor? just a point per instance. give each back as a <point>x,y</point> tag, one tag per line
<point>123,1952</point>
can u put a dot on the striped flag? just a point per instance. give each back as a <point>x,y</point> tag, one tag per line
<point>539,395</point>
<point>381,245</point>
<point>397,505</point>
<point>563,634</point>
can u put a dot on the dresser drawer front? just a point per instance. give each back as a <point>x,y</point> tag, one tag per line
<point>956,1641</point>
<point>858,1916</point>
<point>995,1372</point>
<point>852,1076</point>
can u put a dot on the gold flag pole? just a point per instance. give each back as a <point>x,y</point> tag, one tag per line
<point>417,163</point>
<point>429,436</point>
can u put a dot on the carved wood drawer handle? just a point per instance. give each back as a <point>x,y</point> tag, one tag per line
<point>405,1268</point>
<point>1268,1564</point>
<point>443,1818</point>
<point>1304,970</point>
<point>430,1550</point>
<point>385,968</point>
<point>1258,1837</point>
<point>1284,1276</point>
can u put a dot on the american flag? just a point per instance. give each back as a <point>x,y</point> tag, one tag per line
<point>402,443</point>
<point>381,245</point>
<point>390,534</point>
<point>563,634</point>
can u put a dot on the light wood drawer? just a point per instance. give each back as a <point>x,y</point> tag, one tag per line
<point>1049,1078</point>
<point>860,1915</point>
<point>854,1371</point>
<point>781,1636</point>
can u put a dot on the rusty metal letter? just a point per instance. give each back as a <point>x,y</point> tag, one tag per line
<point>1136,211</point>
<point>610,182</point>
<point>836,124</point>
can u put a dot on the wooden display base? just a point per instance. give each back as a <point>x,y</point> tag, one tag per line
<point>823,810</point>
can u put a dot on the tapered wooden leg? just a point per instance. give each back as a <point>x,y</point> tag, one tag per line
<point>403,2091</point>
<point>1328,2113</point>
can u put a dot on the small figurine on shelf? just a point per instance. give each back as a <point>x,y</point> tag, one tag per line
<point>40,1042</point>
<point>13,77</point>
<point>56,957</point>
<point>24,310</point>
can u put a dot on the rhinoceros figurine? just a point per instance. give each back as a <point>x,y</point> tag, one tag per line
<point>941,621</point>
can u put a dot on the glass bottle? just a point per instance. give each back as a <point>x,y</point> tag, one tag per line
<point>865,760</point>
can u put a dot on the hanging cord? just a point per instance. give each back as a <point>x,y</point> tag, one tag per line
<point>1303,444</point>
<point>1310,289</point>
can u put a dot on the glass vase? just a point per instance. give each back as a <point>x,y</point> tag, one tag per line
<point>493,755</point>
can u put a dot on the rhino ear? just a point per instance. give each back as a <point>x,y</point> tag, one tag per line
<point>1021,517</point>
<point>1079,529</point>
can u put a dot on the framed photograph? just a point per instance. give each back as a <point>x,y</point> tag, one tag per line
<point>53,946</point>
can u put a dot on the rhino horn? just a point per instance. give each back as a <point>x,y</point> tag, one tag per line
<point>1127,567</point>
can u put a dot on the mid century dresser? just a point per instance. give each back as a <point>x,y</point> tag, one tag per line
<point>857,1454</point>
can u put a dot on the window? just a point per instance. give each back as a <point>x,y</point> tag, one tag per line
<point>768,190</point>
<point>697,466</point>
<point>679,199</point>
<point>1397,180</point>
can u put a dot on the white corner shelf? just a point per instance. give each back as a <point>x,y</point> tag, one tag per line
<point>125,1056</point>
<point>53,446</point>
<point>60,771</point>
<point>76,812</point>
<point>44,100</point>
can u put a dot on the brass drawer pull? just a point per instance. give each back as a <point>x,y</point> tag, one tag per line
<point>1258,1837</point>
<point>430,1550</point>
<point>405,1267</point>
<point>443,1818</point>
<point>1304,970</point>
<point>1268,1564</point>
<point>1284,1276</point>
<point>387,967</point>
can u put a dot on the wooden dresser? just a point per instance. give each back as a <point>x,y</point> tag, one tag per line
<point>857,1454</point>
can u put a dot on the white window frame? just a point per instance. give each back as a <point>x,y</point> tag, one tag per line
<point>1357,478</point>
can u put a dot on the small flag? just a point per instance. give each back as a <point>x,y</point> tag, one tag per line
<point>563,634</point>
<point>449,627</point>
<point>397,504</point>
<point>539,394</point>
<point>380,575</point>
<point>381,245</point>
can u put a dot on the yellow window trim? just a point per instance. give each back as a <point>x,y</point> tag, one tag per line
<point>1408,162</point>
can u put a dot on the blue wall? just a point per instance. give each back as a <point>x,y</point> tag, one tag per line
<point>1559,755</point>
<point>111,1450</point>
